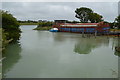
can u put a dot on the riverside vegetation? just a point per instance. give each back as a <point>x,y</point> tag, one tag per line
<point>10,29</point>
<point>28,22</point>
<point>44,25</point>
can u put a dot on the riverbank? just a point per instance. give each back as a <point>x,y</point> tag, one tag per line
<point>117,49</point>
<point>3,39</point>
<point>43,28</point>
<point>10,30</point>
<point>115,30</point>
<point>0,39</point>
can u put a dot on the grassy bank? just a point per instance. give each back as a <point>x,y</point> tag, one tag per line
<point>28,23</point>
<point>43,28</point>
<point>114,29</point>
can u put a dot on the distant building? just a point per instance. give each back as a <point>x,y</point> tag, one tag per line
<point>60,21</point>
<point>39,20</point>
<point>42,21</point>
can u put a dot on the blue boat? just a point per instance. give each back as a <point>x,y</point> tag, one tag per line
<point>54,30</point>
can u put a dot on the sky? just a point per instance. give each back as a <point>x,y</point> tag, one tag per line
<point>58,10</point>
<point>60,0</point>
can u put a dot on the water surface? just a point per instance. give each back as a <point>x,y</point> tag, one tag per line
<point>43,54</point>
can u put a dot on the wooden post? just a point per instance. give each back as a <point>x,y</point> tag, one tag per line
<point>82,33</point>
<point>95,34</point>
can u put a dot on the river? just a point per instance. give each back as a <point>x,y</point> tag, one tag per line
<point>43,54</point>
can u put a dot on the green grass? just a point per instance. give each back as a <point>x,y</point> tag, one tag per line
<point>43,28</point>
<point>114,29</point>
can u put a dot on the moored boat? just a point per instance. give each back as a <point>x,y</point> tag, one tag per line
<point>101,27</point>
<point>54,30</point>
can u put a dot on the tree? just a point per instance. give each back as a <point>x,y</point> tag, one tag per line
<point>112,25</point>
<point>83,14</point>
<point>10,26</point>
<point>95,18</point>
<point>117,22</point>
<point>45,24</point>
<point>87,15</point>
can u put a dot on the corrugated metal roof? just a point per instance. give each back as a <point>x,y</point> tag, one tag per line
<point>80,23</point>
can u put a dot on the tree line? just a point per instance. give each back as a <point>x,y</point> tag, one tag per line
<point>27,21</point>
<point>45,24</point>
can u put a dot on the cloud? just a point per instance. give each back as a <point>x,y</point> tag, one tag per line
<point>58,10</point>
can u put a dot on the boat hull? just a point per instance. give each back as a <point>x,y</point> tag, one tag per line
<point>53,30</point>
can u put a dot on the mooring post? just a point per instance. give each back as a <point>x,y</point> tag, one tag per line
<point>82,33</point>
<point>107,34</point>
<point>95,34</point>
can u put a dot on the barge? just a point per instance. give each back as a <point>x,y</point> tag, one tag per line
<point>101,27</point>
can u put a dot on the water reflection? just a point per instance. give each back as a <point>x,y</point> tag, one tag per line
<point>117,47</point>
<point>12,57</point>
<point>86,45</point>
<point>82,45</point>
<point>60,36</point>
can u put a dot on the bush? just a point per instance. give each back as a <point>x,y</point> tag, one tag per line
<point>10,26</point>
<point>45,24</point>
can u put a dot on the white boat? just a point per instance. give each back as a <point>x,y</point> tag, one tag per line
<point>54,30</point>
